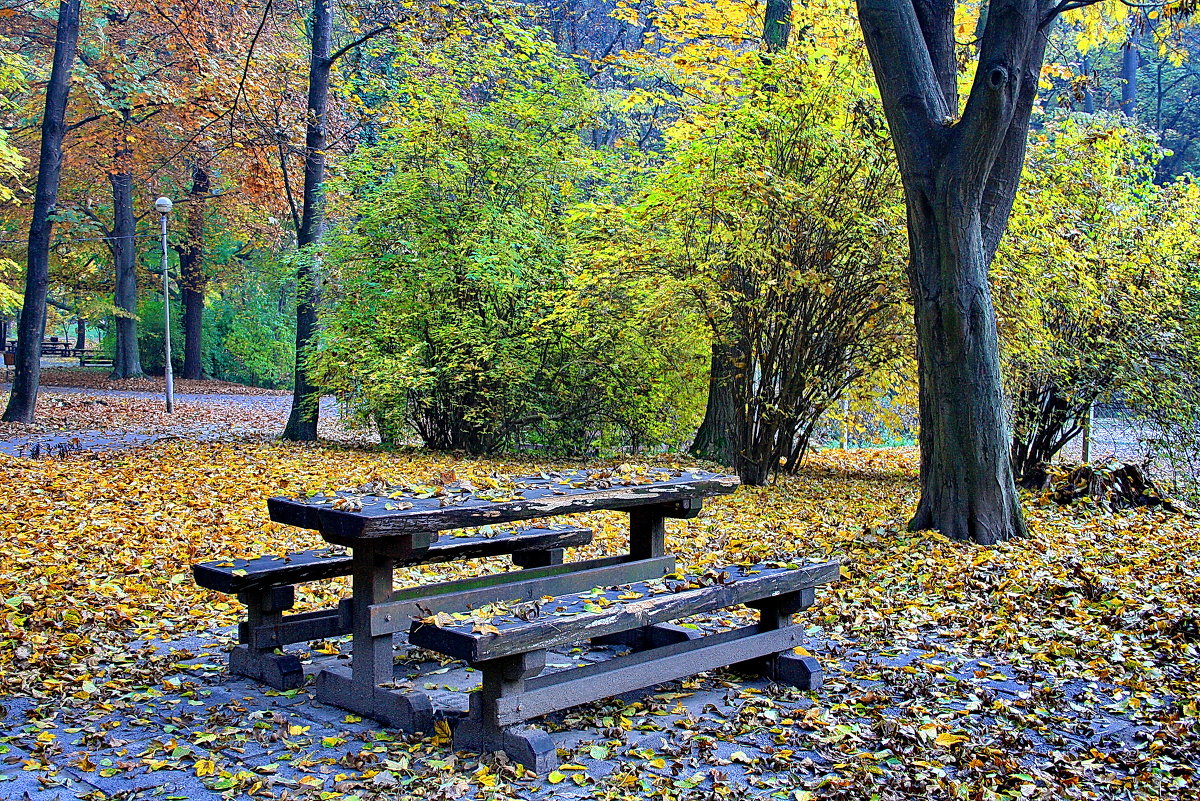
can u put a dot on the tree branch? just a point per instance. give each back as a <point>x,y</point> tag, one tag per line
<point>912,95</point>
<point>360,40</point>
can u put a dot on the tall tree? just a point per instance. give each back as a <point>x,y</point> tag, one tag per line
<point>716,438</point>
<point>192,278</point>
<point>32,325</point>
<point>127,359</point>
<point>1131,59</point>
<point>960,173</point>
<point>302,421</point>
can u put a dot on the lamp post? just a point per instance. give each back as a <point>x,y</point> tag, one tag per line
<point>163,206</point>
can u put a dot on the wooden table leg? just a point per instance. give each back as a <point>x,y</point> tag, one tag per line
<point>371,662</point>
<point>647,533</point>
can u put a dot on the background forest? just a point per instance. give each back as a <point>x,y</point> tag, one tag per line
<point>583,227</point>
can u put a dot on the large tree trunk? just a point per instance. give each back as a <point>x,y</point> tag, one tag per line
<point>192,278</point>
<point>716,439</point>
<point>127,361</point>
<point>23,399</point>
<point>967,483</point>
<point>302,421</point>
<point>960,174</point>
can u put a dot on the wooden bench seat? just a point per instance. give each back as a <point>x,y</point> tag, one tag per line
<point>266,585</point>
<point>508,644</point>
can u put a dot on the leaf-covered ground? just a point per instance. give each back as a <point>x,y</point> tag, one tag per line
<point>1061,666</point>
<point>98,378</point>
<point>73,412</point>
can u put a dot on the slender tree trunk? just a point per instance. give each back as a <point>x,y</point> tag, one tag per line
<point>777,25</point>
<point>1130,61</point>
<point>80,333</point>
<point>127,361</point>
<point>193,280</point>
<point>1089,97</point>
<point>302,421</point>
<point>32,325</point>
<point>716,439</point>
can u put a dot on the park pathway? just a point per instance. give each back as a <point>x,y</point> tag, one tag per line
<point>270,409</point>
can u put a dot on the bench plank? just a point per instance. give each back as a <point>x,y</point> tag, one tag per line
<point>462,595</point>
<point>622,674</point>
<point>536,497</point>
<point>239,575</point>
<point>572,618</point>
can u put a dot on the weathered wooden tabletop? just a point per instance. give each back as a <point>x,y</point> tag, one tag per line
<point>380,511</point>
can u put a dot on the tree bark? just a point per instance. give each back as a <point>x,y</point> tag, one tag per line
<point>1130,61</point>
<point>777,25</point>
<point>716,439</point>
<point>32,325</point>
<point>1089,97</point>
<point>192,278</point>
<point>302,421</point>
<point>967,487</point>
<point>127,361</point>
<point>960,177</point>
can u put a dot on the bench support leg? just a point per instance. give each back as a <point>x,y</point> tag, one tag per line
<point>265,607</point>
<point>648,637</point>
<point>481,730</point>
<point>543,558</point>
<point>803,672</point>
<point>372,662</point>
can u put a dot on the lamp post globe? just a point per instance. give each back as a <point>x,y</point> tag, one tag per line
<point>163,205</point>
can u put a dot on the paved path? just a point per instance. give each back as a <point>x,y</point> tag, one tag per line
<point>57,443</point>
<point>204,732</point>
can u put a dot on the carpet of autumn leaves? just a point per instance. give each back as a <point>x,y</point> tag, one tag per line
<point>97,553</point>
<point>59,412</point>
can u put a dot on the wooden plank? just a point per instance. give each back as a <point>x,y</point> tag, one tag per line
<point>515,585</point>
<point>568,688</point>
<point>533,498</point>
<point>304,627</point>
<point>569,620</point>
<point>238,575</point>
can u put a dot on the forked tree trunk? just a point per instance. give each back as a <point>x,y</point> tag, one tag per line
<point>127,360</point>
<point>961,165</point>
<point>32,324</point>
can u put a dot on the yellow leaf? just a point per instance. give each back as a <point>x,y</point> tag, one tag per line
<point>946,739</point>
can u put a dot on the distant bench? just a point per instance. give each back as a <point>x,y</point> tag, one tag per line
<point>510,649</point>
<point>266,585</point>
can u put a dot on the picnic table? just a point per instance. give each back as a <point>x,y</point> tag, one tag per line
<point>388,525</point>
